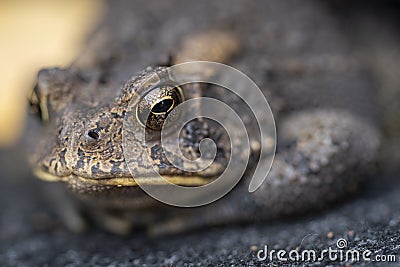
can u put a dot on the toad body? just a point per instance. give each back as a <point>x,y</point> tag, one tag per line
<point>323,105</point>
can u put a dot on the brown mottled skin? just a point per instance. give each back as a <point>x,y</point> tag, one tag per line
<point>327,139</point>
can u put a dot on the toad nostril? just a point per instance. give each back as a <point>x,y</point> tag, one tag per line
<point>94,134</point>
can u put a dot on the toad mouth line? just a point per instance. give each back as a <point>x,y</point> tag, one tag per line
<point>128,181</point>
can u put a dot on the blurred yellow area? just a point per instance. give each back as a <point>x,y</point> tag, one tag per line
<point>36,34</point>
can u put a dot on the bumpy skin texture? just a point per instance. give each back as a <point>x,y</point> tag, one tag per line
<point>327,144</point>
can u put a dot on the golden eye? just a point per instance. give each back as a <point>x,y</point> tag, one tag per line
<point>164,105</point>
<point>153,109</point>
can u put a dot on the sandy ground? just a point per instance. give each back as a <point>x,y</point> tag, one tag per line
<point>31,235</point>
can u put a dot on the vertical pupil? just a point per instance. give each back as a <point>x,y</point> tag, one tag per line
<point>162,106</point>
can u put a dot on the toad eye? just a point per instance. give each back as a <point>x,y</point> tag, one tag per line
<point>165,105</point>
<point>153,109</point>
